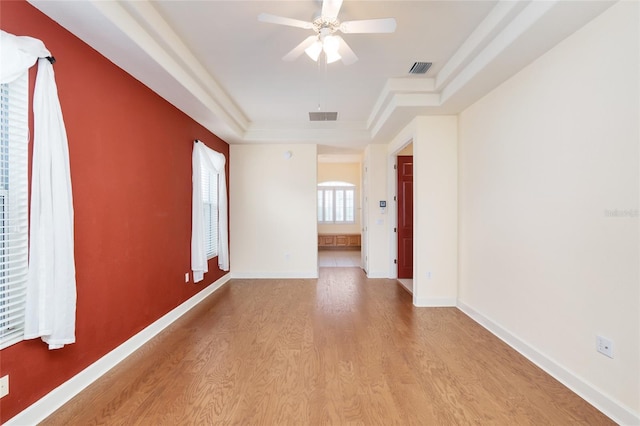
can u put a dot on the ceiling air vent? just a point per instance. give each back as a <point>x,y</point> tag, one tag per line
<point>420,67</point>
<point>323,116</point>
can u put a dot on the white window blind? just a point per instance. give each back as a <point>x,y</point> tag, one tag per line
<point>210,206</point>
<point>336,202</point>
<point>13,209</point>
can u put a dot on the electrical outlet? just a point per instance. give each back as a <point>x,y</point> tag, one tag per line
<point>186,277</point>
<point>604,346</point>
<point>4,386</point>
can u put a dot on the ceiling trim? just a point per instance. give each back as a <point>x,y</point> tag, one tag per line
<point>399,101</point>
<point>190,73</point>
<point>483,45</point>
<point>479,37</point>
<point>147,14</point>
<point>178,76</point>
<point>398,85</point>
<point>328,133</point>
<point>533,12</point>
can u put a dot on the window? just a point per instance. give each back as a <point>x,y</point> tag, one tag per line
<point>210,206</point>
<point>209,218</point>
<point>336,202</point>
<point>13,209</point>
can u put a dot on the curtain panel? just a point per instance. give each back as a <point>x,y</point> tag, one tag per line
<point>204,156</point>
<point>50,304</point>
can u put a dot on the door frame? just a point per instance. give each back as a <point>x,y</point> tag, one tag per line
<point>364,218</point>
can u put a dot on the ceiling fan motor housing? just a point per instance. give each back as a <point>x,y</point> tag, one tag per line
<point>324,26</point>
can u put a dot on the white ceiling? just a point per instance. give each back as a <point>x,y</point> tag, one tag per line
<point>217,63</point>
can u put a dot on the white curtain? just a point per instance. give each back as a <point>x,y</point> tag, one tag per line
<point>205,156</point>
<point>50,305</point>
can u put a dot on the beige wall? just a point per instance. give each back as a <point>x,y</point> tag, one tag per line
<point>344,172</point>
<point>544,161</point>
<point>407,150</point>
<point>273,222</point>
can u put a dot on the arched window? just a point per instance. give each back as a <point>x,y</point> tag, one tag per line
<point>336,202</point>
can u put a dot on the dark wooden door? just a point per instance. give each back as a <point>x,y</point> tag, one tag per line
<point>405,216</point>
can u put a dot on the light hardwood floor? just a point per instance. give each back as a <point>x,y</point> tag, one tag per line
<point>342,349</point>
<point>339,258</point>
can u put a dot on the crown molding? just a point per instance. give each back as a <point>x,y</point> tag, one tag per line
<point>143,25</point>
<point>179,77</point>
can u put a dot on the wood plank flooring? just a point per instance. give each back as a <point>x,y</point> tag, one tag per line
<point>342,349</point>
<point>339,258</point>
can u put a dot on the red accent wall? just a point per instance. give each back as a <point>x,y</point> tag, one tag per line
<point>130,154</point>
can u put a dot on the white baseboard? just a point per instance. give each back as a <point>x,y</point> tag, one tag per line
<point>432,302</point>
<point>378,274</point>
<point>55,399</point>
<point>273,275</point>
<point>610,407</point>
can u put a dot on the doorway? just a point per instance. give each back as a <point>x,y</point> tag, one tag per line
<point>405,216</point>
<point>339,210</point>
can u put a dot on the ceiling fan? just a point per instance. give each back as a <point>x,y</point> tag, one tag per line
<point>325,26</point>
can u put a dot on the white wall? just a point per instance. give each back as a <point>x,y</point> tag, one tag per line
<point>435,242</point>
<point>435,207</point>
<point>376,242</point>
<point>343,172</point>
<point>544,159</point>
<point>272,213</point>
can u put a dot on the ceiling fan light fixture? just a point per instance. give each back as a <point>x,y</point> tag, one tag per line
<point>330,44</point>
<point>324,26</point>
<point>332,57</point>
<point>314,50</point>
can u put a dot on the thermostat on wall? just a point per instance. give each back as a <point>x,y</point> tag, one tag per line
<point>383,204</point>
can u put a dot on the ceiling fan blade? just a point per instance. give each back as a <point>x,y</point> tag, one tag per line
<point>281,20</point>
<point>383,25</point>
<point>299,49</point>
<point>331,8</point>
<point>346,54</point>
